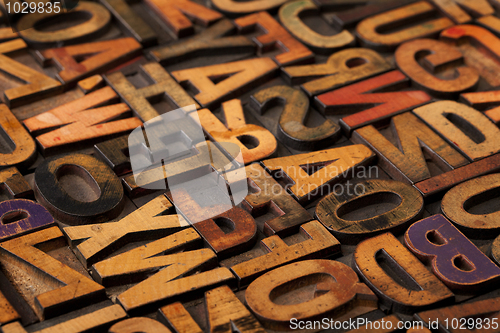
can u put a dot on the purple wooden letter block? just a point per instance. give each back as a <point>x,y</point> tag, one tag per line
<point>34,216</point>
<point>455,259</point>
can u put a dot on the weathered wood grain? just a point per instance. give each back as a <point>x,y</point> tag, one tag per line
<point>14,185</point>
<point>319,243</point>
<point>243,75</point>
<point>380,106</point>
<point>108,200</point>
<point>337,289</point>
<point>470,131</point>
<point>425,76</point>
<point>22,148</point>
<point>139,99</point>
<point>275,37</point>
<point>290,16</point>
<point>38,85</point>
<point>405,161</point>
<point>69,289</point>
<point>403,283</point>
<point>341,68</point>
<point>97,20</point>
<point>105,55</point>
<point>457,202</point>
<point>212,41</point>
<point>410,206</point>
<point>236,130</point>
<point>370,29</point>
<point>313,175</point>
<point>267,195</point>
<point>291,128</point>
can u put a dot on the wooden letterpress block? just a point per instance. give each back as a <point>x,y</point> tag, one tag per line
<point>67,288</point>
<point>458,201</point>
<point>453,9</point>
<point>98,21</point>
<point>275,36</point>
<point>38,85</point>
<point>133,23</point>
<point>400,281</point>
<point>291,129</point>
<point>482,100</point>
<point>81,121</point>
<point>452,317</point>
<point>226,229</point>
<point>289,15</point>
<point>481,51</point>
<point>267,195</point>
<point>142,262</point>
<point>455,260</point>
<point>105,55</point>
<point>92,319</point>
<point>470,131</point>
<point>115,153</point>
<point>236,130</point>
<point>213,41</point>
<point>310,176</point>
<point>348,18</point>
<point>23,153</point>
<point>441,55</point>
<point>367,29</point>
<point>236,8</point>
<point>91,84</point>
<point>223,309</point>
<point>340,69</point>
<point>139,324</point>
<point>410,209</point>
<point>317,243</point>
<point>21,216</point>
<point>139,99</point>
<point>244,74</point>
<point>93,243</point>
<point>432,187</point>
<point>365,93</point>
<point>336,294</point>
<point>107,199</point>
<point>174,13</point>
<point>404,160</point>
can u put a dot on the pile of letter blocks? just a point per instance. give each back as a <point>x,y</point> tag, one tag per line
<point>371,152</point>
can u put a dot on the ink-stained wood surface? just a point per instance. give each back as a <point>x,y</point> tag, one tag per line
<point>135,246</point>
<point>458,202</point>
<point>405,160</point>
<point>336,286</point>
<point>409,286</point>
<point>312,175</point>
<point>369,29</point>
<point>440,55</point>
<point>331,209</point>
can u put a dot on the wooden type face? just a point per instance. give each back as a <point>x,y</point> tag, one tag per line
<point>425,76</point>
<point>330,209</point>
<point>22,147</point>
<point>290,14</point>
<point>97,19</point>
<point>396,276</point>
<point>368,29</point>
<point>257,265</point>
<point>104,183</point>
<point>405,160</point>
<point>291,130</point>
<point>455,260</point>
<point>481,51</point>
